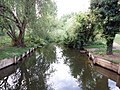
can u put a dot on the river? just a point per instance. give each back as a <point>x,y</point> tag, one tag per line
<point>55,67</point>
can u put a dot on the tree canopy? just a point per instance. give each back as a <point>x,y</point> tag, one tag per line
<point>19,15</point>
<point>76,29</point>
<point>108,13</point>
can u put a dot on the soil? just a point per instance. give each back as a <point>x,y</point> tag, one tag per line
<point>115,57</point>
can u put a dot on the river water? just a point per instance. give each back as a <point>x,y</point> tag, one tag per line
<point>57,68</point>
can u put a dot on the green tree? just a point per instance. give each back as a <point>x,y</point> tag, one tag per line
<point>38,29</point>
<point>20,15</point>
<point>108,13</point>
<point>86,31</point>
<point>17,13</point>
<point>81,31</point>
<point>1,27</point>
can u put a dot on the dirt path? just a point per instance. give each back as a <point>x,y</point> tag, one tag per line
<point>116,46</point>
<point>114,58</point>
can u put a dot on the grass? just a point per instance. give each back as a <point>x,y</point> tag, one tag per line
<point>117,39</point>
<point>96,45</point>
<point>8,52</point>
<point>112,60</point>
<point>99,51</point>
<point>99,45</point>
<point>99,48</point>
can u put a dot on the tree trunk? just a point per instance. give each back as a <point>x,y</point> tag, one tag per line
<point>19,41</point>
<point>21,24</point>
<point>110,46</point>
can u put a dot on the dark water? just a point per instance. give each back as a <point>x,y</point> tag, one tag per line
<point>57,68</point>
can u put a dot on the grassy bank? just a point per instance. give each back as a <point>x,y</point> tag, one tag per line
<point>7,52</point>
<point>117,39</point>
<point>98,49</point>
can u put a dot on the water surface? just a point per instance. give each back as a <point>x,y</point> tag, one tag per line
<point>57,68</point>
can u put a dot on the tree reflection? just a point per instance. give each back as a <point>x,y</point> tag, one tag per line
<point>32,74</point>
<point>3,83</point>
<point>83,71</point>
<point>49,53</point>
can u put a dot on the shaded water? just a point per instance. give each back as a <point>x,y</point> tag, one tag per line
<point>57,68</point>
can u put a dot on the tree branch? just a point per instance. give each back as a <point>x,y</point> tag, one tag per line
<point>7,17</point>
<point>4,8</point>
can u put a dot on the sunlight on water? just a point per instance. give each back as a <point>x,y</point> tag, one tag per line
<point>112,85</point>
<point>61,79</point>
<point>57,68</point>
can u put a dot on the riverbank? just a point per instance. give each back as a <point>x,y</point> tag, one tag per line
<point>104,63</point>
<point>97,54</point>
<point>8,51</point>
<point>115,58</point>
<point>15,56</point>
<point>98,49</point>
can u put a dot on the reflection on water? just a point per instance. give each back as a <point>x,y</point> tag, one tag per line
<point>112,85</point>
<point>57,68</point>
<point>61,79</point>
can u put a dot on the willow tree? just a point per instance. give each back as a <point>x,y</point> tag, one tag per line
<point>19,14</point>
<point>109,15</point>
<point>44,24</point>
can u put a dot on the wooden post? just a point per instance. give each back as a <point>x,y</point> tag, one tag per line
<point>118,81</point>
<point>94,60</point>
<point>119,69</point>
<point>15,59</point>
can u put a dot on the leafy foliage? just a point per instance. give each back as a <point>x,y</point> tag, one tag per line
<point>25,17</point>
<point>107,12</point>
<point>81,31</point>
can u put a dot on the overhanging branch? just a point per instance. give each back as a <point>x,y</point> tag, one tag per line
<point>7,17</point>
<point>4,8</point>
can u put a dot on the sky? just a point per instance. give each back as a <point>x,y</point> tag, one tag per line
<point>68,6</point>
